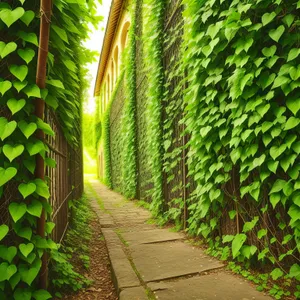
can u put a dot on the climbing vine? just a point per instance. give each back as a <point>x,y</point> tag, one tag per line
<point>153,16</point>
<point>242,114</point>
<point>129,122</point>
<point>21,247</point>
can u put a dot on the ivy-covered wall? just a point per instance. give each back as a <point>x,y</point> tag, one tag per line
<point>217,125</point>
<point>24,238</point>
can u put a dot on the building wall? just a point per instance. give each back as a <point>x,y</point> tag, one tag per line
<point>112,72</point>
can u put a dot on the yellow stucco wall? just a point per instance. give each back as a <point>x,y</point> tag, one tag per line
<point>112,71</point>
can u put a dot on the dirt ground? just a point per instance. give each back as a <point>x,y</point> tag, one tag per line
<point>99,270</point>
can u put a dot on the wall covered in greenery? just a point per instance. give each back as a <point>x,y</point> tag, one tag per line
<point>22,248</point>
<point>217,125</point>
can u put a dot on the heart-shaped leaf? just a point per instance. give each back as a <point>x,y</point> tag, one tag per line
<point>32,91</point>
<point>35,148</point>
<point>15,105</point>
<point>12,152</point>
<point>3,231</point>
<point>27,189</point>
<point>277,151</point>
<point>267,18</point>
<point>291,123</point>
<point>19,72</point>
<point>294,53</point>
<point>8,129</point>
<point>35,208</point>
<point>28,17</point>
<point>17,210</point>
<point>21,294</point>
<point>268,52</point>
<point>26,249</point>
<point>28,275</point>
<point>5,86</point>
<point>28,37</point>
<point>7,271</point>
<point>25,232</point>
<point>30,164</point>
<point>45,127</point>
<point>26,54</point>
<point>275,34</point>
<point>6,49</point>
<point>8,254</point>
<point>19,85</point>
<point>27,129</point>
<point>42,188</point>
<point>9,17</point>
<point>6,175</point>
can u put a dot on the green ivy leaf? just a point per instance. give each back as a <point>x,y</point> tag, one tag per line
<point>261,233</point>
<point>35,208</point>
<point>275,34</point>
<point>32,91</point>
<point>294,213</point>
<point>295,271</point>
<point>27,17</point>
<point>27,129</point>
<point>42,188</point>
<point>49,227</point>
<point>277,151</point>
<point>237,244</point>
<point>275,199</point>
<point>28,37</point>
<point>6,175</point>
<point>9,17</point>
<point>15,105</point>
<point>293,54</point>
<point>26,249</point>
<point>3,231</point>
<point>6,49</point>
<point>45,127</point>
<point>8,254</point>
<point>35,148</point>
<point>26,54</point>
<point>19,72</point>
<point>17,210</point>
<point>292,122</point>
<point>12,152</point>
<point>41,295</point>
<point>5,86</point>
<point>21,294</point>
<point>267,18</point>
<point>19,85</point>
<point>25,232</point>
<point>27,189</point>
<point>7,271</point>
<point>276,274</point>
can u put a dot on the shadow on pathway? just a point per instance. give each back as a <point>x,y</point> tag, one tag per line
<point>153,263</point>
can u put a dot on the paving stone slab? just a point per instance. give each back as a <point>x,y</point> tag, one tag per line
<point>151,236</point>
<point>217,286</point>
<point>171,259</point>
<point>122,271</point>
<point>136,293</point>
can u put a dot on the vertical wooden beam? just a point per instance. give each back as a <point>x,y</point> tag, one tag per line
<point>45,11</point>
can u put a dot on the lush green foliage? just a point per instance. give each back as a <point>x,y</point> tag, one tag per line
<point>241,120</point>
<point>106,135</point>
<point>153,17</point>
<point>242,112</point>
<point>129,122</point>
<point>21,247</point>
<point>75,248</point>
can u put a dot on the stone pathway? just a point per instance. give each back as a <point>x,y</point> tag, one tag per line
<point>153,263</point>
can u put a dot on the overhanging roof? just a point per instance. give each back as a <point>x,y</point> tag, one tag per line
<point>112,24</point>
